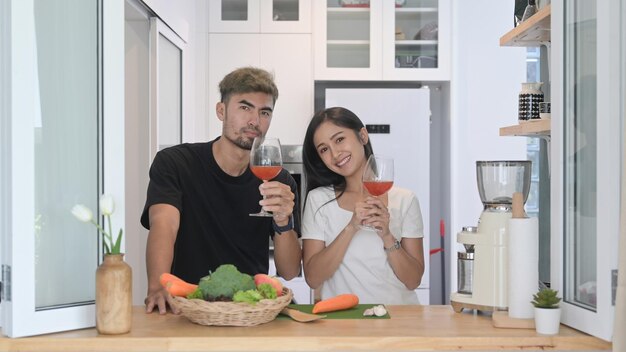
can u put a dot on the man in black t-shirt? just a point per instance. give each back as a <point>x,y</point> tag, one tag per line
<point>200,196</point>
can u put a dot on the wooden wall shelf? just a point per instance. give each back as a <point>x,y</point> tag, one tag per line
<point>533,32</point>
<point>539,128</point>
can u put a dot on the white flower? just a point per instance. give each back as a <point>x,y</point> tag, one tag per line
<point>107,205</point>
<point>82,213</point>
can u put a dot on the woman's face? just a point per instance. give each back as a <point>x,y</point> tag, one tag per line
<point>340,148</point>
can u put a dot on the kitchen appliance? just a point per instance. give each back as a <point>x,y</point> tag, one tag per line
<point>465,266</point>
<point>487,243</point>
<point>398,123</point>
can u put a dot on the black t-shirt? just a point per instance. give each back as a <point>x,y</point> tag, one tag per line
<point>215,226</point>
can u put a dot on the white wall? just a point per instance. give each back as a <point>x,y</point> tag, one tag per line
<point>485,82</point>
<point>137,89</point>
<point>180,16</point>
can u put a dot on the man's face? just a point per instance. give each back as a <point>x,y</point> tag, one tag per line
<point>245,116</point>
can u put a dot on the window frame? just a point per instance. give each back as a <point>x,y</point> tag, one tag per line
<point>19,314</point>
<point>599,322</point>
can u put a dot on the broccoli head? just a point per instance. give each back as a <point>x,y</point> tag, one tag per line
<point>222,284</point>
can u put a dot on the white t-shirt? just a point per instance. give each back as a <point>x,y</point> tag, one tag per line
<point>365,269</point>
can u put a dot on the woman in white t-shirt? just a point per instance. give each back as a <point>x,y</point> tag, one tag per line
<point>383,266</point>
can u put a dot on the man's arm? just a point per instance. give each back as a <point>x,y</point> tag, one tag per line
<point>279,199</point>
<point>164,224</point>
<point>287,254</point>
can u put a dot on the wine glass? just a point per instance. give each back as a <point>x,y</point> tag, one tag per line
<point>265,162</point>
<point>377,178</point>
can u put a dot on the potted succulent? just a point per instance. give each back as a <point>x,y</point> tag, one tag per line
<point>547,311</point>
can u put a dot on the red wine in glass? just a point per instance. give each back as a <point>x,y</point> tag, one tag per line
<point>377,188</point>
<point>377,178</point>
<point>265,162</point>
<point>265,173</point>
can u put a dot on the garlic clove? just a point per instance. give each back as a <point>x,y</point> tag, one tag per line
<point>379,311</point>
<point>368,312</point>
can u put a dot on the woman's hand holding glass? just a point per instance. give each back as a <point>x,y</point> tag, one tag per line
<point>373,215</point>
<point>377,180</point>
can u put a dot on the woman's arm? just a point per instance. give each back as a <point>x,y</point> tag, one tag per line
<point>407,262</point>
<point>321,262</point>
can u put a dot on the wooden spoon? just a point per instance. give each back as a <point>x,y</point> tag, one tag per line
<point>300,316</point>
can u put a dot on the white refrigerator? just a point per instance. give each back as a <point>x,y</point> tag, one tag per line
<point>399,123</point>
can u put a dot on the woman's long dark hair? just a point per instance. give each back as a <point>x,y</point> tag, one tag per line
<point>316,173</point>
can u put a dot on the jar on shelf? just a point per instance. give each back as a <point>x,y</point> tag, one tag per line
<point>529,98</point>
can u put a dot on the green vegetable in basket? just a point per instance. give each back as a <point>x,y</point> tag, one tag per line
<point>196,294</point>
<point>222,284</point>
<point>248,296</point>
<point>267,291</point>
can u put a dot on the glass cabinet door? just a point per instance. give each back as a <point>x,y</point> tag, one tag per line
<point>349,39</point>
<point>259,16</point>
<point>286,16</point>
<point>382,40</point>
<point>414,41</point>
<point>416,33</point>
<point>234,16</point>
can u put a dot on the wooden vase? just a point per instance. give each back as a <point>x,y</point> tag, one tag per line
<point>113,295</point>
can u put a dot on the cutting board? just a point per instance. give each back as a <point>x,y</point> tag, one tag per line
<point>352,313</point>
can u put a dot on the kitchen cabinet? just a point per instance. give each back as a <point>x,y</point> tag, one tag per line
<point>533,32</point>
<point>260,16</point>
<point>382,40</point>
<point>288,57</point>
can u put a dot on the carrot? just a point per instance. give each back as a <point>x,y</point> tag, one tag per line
<point>175,285</point>
<point>340,302</point>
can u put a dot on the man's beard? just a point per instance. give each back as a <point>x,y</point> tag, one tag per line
<point>243,142</point>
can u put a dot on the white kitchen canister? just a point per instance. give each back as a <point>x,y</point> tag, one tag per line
<point>529,98</point>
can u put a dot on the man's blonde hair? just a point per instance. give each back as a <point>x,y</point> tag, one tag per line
<point>248,80</point>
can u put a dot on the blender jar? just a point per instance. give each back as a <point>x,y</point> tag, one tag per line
<point>498,180</point>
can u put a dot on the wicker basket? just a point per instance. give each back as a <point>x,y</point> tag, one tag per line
<point>233,313</point>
